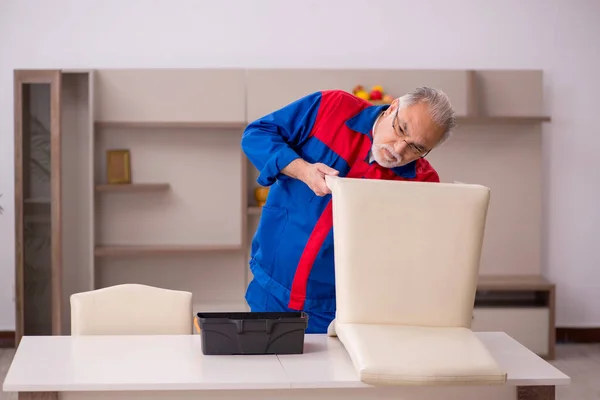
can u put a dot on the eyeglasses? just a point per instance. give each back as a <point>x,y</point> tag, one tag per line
<point>411,146</point>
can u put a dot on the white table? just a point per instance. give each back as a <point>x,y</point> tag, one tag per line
<point>173,367</point>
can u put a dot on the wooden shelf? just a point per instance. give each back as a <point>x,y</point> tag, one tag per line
<point>134,250</point>
<point>133,187</point>
<point>170,124</point>
<point>514,283</point>
<point>501,120</point>
<point>37,200</point>
<point>379,102</point>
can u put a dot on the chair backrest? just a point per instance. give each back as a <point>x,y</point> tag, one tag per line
<point>131,309</point>
<point>407,252</point>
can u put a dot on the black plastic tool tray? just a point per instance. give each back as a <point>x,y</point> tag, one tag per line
<point>228,333</point>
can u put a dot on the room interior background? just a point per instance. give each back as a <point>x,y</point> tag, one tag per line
<point>556,36</point>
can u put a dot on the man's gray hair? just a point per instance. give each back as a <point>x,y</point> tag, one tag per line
<point>440,108</point>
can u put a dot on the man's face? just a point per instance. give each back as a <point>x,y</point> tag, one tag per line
<point>402,136</point>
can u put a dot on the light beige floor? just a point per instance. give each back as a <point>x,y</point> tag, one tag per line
<point>580,362</point>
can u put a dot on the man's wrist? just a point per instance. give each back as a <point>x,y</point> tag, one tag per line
<point>296,169</point>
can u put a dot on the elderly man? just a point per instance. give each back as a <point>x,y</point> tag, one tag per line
<point>328,132</point>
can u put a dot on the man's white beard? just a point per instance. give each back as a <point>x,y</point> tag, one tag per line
<point>382,157</point>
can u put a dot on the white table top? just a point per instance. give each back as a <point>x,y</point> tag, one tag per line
<point>99,363</point>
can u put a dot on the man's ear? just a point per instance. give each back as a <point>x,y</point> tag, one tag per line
<point>392,108</point>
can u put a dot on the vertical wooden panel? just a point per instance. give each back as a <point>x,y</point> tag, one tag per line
<point>19,284</point>
<point>472,97</point>
<point>91,173</point>
<point>244,231</point>
<point>77,193</point>
<point>552,323</point>
<point>56,182</point>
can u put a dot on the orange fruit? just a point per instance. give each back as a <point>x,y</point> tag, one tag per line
<point>362,94</point>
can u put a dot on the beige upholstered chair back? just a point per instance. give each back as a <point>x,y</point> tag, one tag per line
<point>407,253</point>
<point>131,309</point>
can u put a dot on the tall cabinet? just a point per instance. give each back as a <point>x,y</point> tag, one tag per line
<point>51,109</point>
<point>37,207</point>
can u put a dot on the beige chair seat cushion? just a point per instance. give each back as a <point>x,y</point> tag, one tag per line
<point>410,355</point>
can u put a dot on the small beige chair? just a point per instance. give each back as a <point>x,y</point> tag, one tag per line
<point>131,309</point>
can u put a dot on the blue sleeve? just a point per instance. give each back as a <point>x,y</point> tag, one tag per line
<point>270,142</point>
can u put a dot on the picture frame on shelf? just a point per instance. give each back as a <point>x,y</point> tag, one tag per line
<point>118,166</point>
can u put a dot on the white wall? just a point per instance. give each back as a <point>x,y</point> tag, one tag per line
<point>558,36</point>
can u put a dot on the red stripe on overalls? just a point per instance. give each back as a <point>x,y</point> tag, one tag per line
<point>353,147</point>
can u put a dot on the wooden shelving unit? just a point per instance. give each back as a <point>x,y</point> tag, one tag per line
<point>187,219</point>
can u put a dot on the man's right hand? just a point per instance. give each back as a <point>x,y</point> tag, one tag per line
<point>314,177</point>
